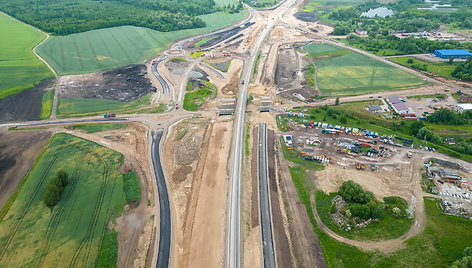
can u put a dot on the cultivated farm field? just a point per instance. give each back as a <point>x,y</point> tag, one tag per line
<point>69,235</point>
<point>69,107</point>
<point>343,72</point>
<point>20,69</point>
<point>109,48</point>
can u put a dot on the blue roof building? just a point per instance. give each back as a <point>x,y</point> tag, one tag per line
<point>452,53</point>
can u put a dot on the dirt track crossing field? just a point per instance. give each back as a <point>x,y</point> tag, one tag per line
<point>71,233</point>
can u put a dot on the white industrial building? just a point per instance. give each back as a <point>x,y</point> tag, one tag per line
<point>463,107</point>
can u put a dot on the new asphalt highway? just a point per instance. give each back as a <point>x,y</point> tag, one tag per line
<point>232,258</point>
<point>165,227</point>
<point>268,248</point>
<point>155,72</point>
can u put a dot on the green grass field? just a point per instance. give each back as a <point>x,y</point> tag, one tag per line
<point>104,49</point>
<point>46,104</point>
<point>354,73</point>
<point>70,234</point>
<point>430,96</point>
<point>203,41</point>
<point>193,100</point>
<point>87,106</point>
<point>20,69</point>
<point>440,68</point>
<point>453,131</point>
<point>315,48</point>
<point>222,3</point>
<point>93,128</point>
<point>323,8</point>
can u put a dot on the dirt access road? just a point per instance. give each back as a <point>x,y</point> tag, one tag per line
<point>206,235</point>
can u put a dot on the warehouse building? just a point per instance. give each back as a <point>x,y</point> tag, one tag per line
<point>393,99</point>
<point>463,107</point>
<point>452,53</point>
<point>400,108</point>
<point>397,104</point>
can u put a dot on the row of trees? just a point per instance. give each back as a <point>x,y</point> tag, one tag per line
<point>55,188</point>
<point>73,16</point>
<point>446,116</point>
<point>409,45</point>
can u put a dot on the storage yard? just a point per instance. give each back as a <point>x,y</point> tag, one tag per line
<point>377,161</point>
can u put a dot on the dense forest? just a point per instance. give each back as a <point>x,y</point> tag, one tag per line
<point>61,17</point>
<point>406,18</point>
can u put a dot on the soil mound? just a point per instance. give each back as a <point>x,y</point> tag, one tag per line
<point>125,84</point>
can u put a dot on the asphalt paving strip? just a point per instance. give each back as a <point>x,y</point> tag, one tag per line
<point>155,72</point>
<point>165,227</point>
<point>268,248</point>
<point>232,258</point>
<point>59,122</point>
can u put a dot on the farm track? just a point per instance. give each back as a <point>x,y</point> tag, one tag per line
<point>87,240</point>
<point>17,224</point>
<point>53,223</point>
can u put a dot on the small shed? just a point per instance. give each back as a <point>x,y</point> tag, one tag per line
<point>374,109</point>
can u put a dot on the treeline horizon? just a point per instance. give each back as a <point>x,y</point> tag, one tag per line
<point>63,17</point>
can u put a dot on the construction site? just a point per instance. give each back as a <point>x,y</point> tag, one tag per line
<point>279,89</point>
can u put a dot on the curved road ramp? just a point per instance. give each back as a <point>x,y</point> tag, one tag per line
<point>164,207</point>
